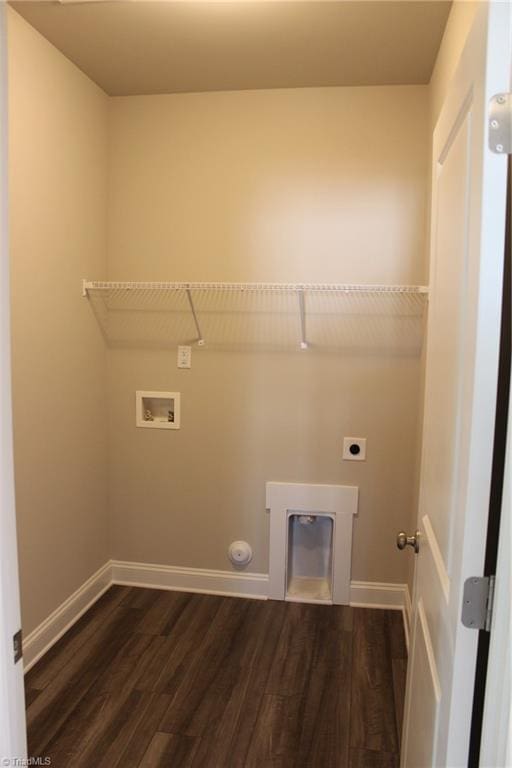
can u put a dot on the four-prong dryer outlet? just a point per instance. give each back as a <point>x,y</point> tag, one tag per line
<point>354,449</point>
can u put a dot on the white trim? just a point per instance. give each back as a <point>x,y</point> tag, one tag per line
<point>437,557</point>
<point>210,582</point>
<point>38,642</point>
<point>363,594</point>
<point>377,594</point>
<point>436,683</point>
<point>407,610</point>
<point>497,719</point>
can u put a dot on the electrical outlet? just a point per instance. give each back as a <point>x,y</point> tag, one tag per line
<point>184,357</point>
<point>354,449</point>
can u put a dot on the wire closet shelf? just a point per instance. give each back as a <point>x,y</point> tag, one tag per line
<point>304,314</point>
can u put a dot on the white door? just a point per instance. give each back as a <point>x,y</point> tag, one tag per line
<point>12,710</point>
<point>467,241</point>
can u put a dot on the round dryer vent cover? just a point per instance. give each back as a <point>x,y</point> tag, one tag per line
<point>240,552</point>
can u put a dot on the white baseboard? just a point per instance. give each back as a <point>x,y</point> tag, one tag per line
<point>228,583</point>
<point>52,628</point>
<point>373,594</point>
<point>363,594</point>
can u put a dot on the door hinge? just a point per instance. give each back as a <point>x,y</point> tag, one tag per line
<point>477,602</point>
<point>17,644</point>
<point>500,124</point>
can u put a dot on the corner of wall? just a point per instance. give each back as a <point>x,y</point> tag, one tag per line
<point>57,222</point>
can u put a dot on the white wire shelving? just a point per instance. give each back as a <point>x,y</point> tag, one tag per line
<point>265,314</point>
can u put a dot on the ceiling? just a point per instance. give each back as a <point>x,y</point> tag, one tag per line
<point>150,47</point>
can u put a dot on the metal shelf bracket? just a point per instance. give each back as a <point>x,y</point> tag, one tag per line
<point>302,311</point>
<point>200,340</point>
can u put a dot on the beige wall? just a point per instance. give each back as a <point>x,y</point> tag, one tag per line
<point>300,185</point>
<point>292,185</point>
<point>57,176</point>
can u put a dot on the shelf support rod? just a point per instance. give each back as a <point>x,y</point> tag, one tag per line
<point>302,310</point>
<point>200,340</point>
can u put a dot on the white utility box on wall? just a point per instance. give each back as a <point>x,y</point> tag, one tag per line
<point>310,541</point>
<point>157,410</point>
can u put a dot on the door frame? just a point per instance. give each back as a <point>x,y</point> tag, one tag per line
<point>495,745</point>
<point>12,700</point>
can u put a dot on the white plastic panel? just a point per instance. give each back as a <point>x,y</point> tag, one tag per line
<point>157,410</point>
<point>338,501</point>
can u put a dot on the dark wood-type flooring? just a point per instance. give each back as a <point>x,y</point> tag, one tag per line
<point>154,678</point>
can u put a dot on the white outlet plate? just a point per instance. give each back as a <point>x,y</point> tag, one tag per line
<point>348,443</point>
<point>184,359</point>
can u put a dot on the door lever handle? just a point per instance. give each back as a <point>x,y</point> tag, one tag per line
<point>403,541</point>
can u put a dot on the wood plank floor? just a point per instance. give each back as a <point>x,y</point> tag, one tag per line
<point>153,678</point>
